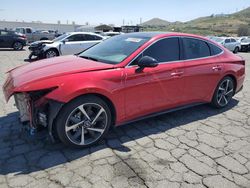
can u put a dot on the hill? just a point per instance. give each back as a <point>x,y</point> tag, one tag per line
<point>156,22</point>
<point>221,24</point>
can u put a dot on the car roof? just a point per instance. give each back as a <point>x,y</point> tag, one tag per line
<point>80,32</point>
<point>158,35</point>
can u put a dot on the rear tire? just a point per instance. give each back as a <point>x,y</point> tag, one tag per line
<point>83,122</point>
<point>17,46</point>
<point>236,50</point>
<point>223,92</point>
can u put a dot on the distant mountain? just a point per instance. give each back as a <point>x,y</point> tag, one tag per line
<point>156,22</point>
<point>217,24</point>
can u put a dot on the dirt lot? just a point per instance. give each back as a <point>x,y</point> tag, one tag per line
<point>197,147</point>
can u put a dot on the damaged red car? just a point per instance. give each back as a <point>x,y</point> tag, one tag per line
<point>123,79</point>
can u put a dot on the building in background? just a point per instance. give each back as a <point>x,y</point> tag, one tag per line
<point>131,28</point>
<point>61,28</point>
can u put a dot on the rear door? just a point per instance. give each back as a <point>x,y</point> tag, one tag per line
<point>90,40</point>
<point>228,44</point>
<point>202,69</point>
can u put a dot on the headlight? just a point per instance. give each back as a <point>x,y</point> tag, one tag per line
<point>35,95</point>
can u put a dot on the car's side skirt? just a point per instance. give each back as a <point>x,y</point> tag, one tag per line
<point>161,113</point>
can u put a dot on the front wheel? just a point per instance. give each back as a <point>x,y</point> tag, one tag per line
<point>51,53</point>
<point>83,122</point>
<point>223,93</point>
<point>17,46</point>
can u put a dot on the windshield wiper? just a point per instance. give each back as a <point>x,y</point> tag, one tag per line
<point>91,58</point>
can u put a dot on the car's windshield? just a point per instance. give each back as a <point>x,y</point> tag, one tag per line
<point>61,37</point>
<point>115,49</point>
<point>217,39</point>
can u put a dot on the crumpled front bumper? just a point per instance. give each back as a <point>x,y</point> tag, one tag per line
<point>36,51</point>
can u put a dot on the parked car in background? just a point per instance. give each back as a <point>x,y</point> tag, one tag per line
<point>123,79</point>
<point>245,45</point>
<point>11,39</point>
<point>66,44</point>
<point>111,33</point>
<point>230,43</point>
<point>32,35</point>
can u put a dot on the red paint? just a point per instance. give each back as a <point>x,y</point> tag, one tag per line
<point>132,94</point>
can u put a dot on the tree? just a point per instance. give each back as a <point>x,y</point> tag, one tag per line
<point>243,30</point>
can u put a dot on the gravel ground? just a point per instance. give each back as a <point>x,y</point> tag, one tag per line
<point>196,147</point>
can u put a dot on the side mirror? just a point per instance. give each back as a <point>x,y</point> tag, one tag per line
<point>146,61</point>
<point>65,40</point>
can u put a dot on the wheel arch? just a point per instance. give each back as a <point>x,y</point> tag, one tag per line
<point>233,78</point>
<point>59,107</point>
<point>53,48</point>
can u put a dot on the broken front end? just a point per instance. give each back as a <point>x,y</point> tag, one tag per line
<point>35,110</point>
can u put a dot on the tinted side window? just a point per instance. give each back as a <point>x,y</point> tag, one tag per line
<point>164,50</point>
<point>195,48</point>
<point>77,37</point>
<point>227,41</point>
<point>93,37</point>
<point>28,30</point>
<point>233,40</point>
<point>214,49</point>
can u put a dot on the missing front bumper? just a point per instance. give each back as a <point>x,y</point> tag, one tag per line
<point>22,104</point>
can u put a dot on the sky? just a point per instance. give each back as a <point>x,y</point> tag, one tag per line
<point>114,11</point>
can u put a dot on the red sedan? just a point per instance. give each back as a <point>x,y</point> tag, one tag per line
<point>120,80</point>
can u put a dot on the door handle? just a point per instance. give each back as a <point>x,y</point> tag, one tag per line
<point>179,73</point>
<point>216,68</point>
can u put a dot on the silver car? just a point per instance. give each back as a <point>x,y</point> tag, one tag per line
<point>228,42</point>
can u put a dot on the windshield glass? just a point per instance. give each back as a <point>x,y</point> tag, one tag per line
<point>115,49</point>
<point>61,37</point>
<point>217,39</point>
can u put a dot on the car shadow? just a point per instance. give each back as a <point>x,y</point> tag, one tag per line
<point>31,60</point>
<point>21,153</point>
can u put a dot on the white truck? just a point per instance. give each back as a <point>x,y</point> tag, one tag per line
<point>33,35</point>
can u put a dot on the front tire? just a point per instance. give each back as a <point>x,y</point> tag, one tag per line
<point>51,53</point>
<point>223,93</point>
<point>83,122</point>
<point>17,46</point>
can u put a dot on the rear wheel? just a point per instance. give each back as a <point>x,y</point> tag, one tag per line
<point>236,50</point>
<point>224,92</point>
<point>17,46</point>
<point>51,53</point>
<point>83,122</point>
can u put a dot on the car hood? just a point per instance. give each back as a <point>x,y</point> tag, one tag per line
<point>40,42</point>
<point>54,67</point>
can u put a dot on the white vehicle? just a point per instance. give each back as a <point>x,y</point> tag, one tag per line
<point>66,44</point>
<point>112,33</point>
<point>230,43</point>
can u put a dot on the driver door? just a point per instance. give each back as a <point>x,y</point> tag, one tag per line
<point>72,44</point>
<point>155,89</point>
